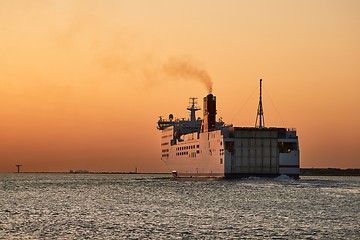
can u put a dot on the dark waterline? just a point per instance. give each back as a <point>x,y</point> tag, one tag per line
<point>145,206</point>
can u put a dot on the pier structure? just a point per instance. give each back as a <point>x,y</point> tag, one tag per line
<point>18,167</point>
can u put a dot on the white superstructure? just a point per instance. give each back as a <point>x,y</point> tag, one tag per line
<point>206,148</point>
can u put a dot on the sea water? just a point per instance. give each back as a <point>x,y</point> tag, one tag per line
<point>143,206</point>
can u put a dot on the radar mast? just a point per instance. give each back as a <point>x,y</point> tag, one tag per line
<point>193,108</point>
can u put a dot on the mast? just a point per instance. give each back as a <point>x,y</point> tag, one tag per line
<point>260,122</point>
<point>193,108</point>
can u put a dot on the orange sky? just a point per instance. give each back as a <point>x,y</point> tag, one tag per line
<point>82,83</point>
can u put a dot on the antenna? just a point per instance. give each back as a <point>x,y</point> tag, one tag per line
<point>260,112</point>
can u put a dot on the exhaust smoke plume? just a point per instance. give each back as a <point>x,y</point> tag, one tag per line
<point>185,68</point>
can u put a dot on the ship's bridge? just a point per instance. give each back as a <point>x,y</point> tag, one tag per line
<point>186,126</point>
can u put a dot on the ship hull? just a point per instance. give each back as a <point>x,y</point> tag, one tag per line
<point>235,153</point>
<point>249,175</point>
<point>233,175</point>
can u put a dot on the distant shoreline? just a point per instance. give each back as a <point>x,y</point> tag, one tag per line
<point>303,172</point>
<point>329,172</point>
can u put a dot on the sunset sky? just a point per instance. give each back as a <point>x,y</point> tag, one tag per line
<point>82,83</point>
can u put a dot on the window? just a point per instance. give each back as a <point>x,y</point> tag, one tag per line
<point>285,147</point>
<point>230,147</point>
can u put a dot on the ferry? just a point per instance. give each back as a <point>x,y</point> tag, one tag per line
<point>196,147</point>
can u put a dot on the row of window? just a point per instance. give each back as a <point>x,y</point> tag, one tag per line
<point>165,150</point>
<point>166,136</point>
<point>192,154</point>
<point>165,155</point>
<point>187,147</point>
<point>182,153</point>
<point>165,143</point>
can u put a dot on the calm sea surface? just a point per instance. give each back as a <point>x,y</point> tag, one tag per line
<point>95,206</point>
